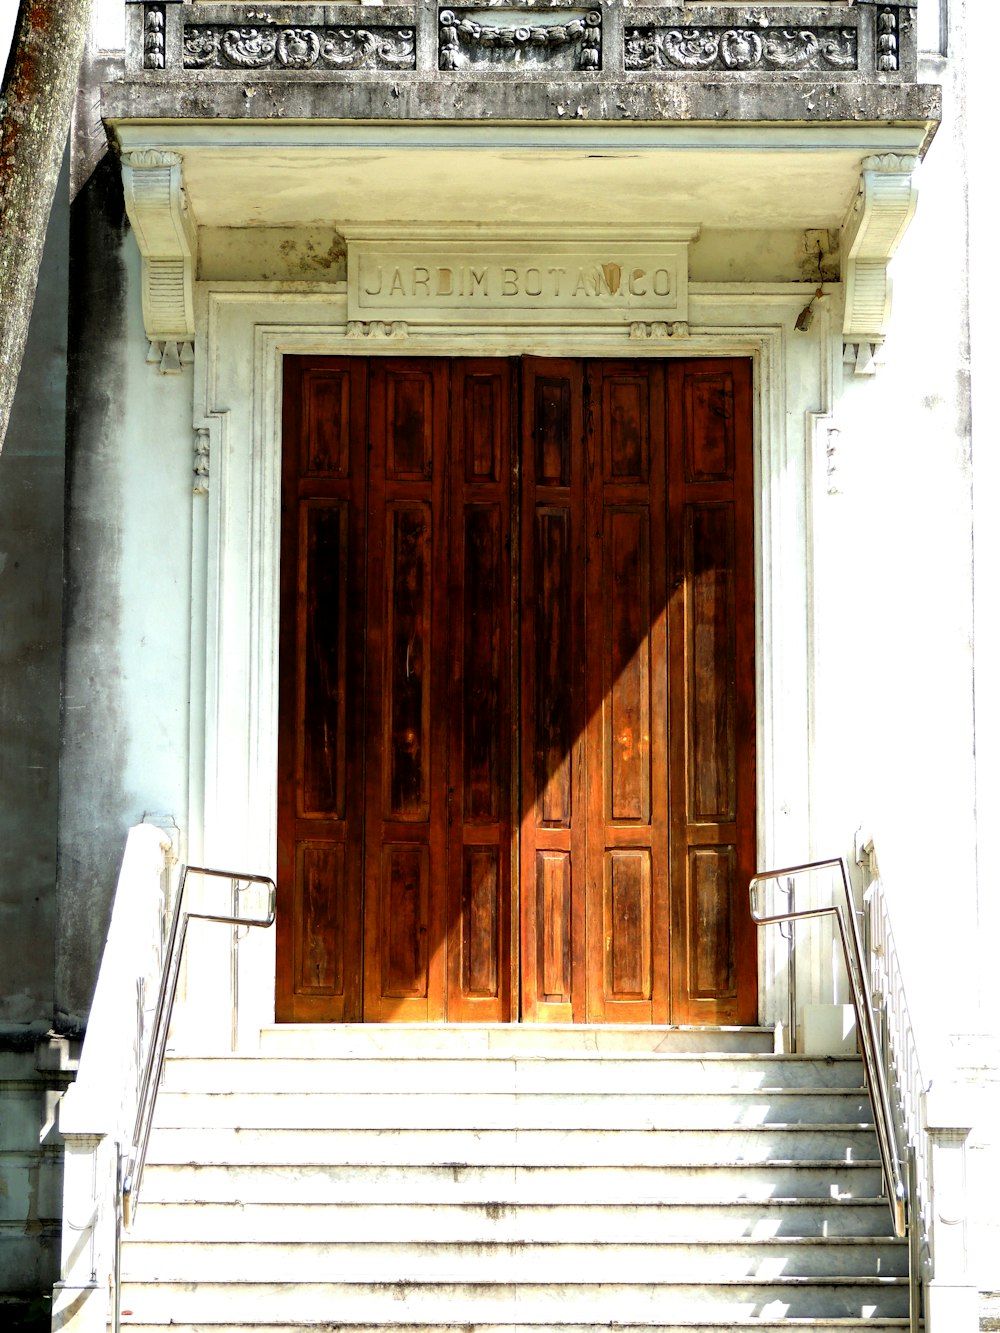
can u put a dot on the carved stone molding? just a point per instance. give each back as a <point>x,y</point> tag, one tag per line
<point>170,357</point>
<point>168,242</point>
<point>153,26</point>
<point>290,50</point>
<point>659,329</point>
<point>377,328</point>
<point>758,47</point>
<point>202,453</point>
<point>887,39</point>
<point>571,42</point>
<point>873,229</point>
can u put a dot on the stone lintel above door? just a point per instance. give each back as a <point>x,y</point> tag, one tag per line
<point>510,276</point>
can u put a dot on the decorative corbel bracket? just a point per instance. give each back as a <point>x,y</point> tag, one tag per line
<point>168,242</point>
<point>873,229</point>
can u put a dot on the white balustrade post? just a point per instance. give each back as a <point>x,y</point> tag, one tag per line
<point>951,1302</point>
<point>98,1111</point>
<point>81,1298</point>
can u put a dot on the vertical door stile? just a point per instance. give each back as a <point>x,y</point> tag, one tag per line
<point>553,817</point>
<point>712,727</point>
<point>479,740</point>
<point>406,783</point>
<point>515,787</point>
<point>627,820</point>
<point>321,686</point>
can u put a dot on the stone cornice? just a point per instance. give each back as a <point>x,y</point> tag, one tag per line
<point>715,102</point>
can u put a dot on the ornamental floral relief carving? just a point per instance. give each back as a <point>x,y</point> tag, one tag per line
<point>574,43</point>
<point>251,48</point>
<point>747,48</point>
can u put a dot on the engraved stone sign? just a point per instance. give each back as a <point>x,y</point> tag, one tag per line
<point>503,281</point>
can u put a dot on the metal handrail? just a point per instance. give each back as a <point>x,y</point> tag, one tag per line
<point>153,1065</point>
<point>132,1163</point>
<point>893,1166</point>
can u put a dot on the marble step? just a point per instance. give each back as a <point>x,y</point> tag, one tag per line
<point>444,1222</point>
<point>580,1073</point>
<point>712,1110</point>
<point>457,1183</point>
<point>389,1303</point>
<point>475,1041</point>
<point>479,1262</point>
<point>511,1147</point>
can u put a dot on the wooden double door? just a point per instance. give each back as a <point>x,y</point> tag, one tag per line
<point>516,733</point>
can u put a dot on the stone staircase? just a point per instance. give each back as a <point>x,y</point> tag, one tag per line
<point>482,1180</point>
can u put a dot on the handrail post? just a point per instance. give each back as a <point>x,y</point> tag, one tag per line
<point>81,1298</point>
<point>850,941</point>
<point>951,1295</point>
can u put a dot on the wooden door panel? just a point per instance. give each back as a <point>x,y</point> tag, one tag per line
<point>625,425</point>
<point>404,921</point>
<point>710,615</point>
<point>711,891</point>
<point>628,924</point>
<point>626,666</point>
<point>479,690</point>
<point>709,423</point>
<point>480,923</point>
<point>712,736</point>
<point>325,438</point>
<point>552,931</point>
<point>321,697</point>
<point>406,711</point>
<point>320,965</point>
<point>406,416</point>
<point>406,775</point>
<point>627,815</point>
<point>553,693</point>
<point>484,636</point>
<point>321,732</point>
<point>551,644</point>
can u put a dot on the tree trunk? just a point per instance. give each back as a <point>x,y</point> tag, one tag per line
<point>38,93</point>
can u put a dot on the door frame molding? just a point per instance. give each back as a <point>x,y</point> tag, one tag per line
<point>244,331</point>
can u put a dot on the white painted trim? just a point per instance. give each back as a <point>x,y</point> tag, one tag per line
<point>248,329</point>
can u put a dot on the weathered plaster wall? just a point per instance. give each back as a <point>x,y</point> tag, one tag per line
<point>319,254</point>
<point>31,522</point>
<point>124,749</point>
<point>907,716</point>
<point>981,1057</point>
<point>31,543</point>
<point>893,605</point>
